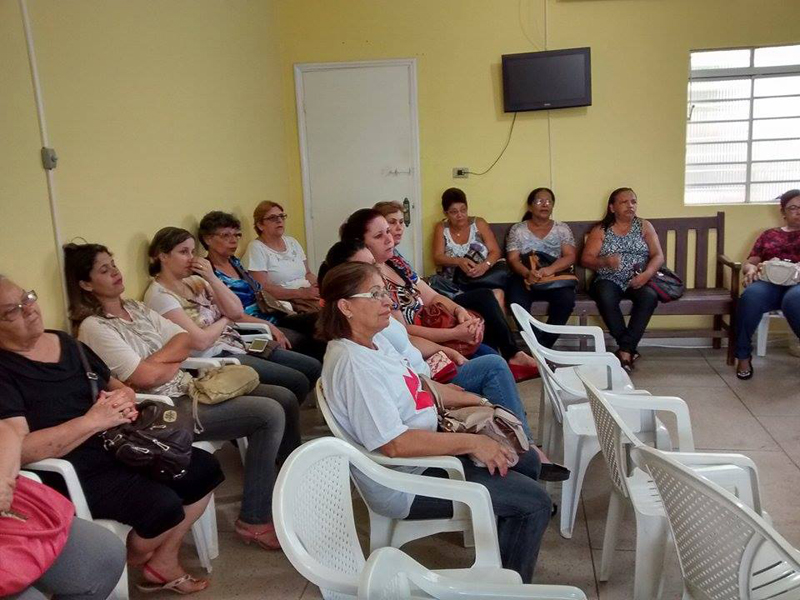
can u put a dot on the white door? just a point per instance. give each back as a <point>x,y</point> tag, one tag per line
<point>359,145</point>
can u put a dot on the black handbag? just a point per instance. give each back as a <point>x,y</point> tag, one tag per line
<point>495,277</point>
<point>667,285</point>
<point>158,442</point>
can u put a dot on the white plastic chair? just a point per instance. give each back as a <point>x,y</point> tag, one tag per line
<point>762,333</point>
<point>385,531</point>
<point>725,548</point>
<point>572,429</point>
<point>253,331</point>
<point>313,516</point>
<point>598,362</point>
<point>204,530</point>
<point>390,574</point>
<point>636,488</point>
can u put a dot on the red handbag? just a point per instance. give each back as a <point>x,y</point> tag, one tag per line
<point>32,534</point>
<point>438,317</point>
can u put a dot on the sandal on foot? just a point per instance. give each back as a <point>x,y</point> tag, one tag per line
<point>553,472</point>
<point>746,373</point>
<point>249,536</point>
<point>625,363</point>
<point>172,586</point>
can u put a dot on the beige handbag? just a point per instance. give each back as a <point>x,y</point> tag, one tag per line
<point>218,384</point>
<point>488,419</point>
<point>779,272</point>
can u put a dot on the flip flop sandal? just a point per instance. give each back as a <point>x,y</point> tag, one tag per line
<point>172,586</point>
<point>746,374</point>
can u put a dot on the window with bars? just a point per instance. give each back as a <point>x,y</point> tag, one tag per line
<point>743,125</point>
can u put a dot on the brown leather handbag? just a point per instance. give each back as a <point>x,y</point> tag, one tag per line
<point>437,316</point>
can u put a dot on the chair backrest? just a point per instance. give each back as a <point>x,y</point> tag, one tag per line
<point>551,386</point>
<point>330,421</point>
<point>524,318</point>
<point>313,515</point>
<point>613,435</point>
<point>726,551</point>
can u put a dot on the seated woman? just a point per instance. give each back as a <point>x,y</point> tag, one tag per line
<point>376,397</point>
<point>186,291</point>
<point>410,294</point>
<point>146,350</point>
<point>625,253</point>
<point>539,233</point>
<point>760,297</point>
<point>46,397</point>
<point>219,233</point>
<point>87,564</point>
<point>458,240</point>
<point>278,262</point>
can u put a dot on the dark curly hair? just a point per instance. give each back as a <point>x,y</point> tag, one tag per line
<point>213,222</point>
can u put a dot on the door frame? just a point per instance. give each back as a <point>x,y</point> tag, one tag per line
<point>416,186</point>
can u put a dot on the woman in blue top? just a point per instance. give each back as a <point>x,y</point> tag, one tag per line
<point>625,253</point>
<point>220,233</point>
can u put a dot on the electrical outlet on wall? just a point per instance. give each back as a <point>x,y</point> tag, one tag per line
<point>460,172</point>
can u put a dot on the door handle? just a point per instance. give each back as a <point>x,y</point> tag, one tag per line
<point>406,212</point>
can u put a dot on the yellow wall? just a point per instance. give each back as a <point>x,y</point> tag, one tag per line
<point>633,134</point>
<point>160,111</point>
<point>164,109</point>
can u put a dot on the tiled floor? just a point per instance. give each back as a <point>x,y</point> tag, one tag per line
<point>760,418</point>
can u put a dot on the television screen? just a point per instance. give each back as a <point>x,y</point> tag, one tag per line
<point>544,80</point>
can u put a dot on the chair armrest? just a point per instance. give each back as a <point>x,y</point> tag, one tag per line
<point>671,404</point>
<point>385,564</point>
<point>259,327</point>
<point>744,464</point>
<point>727,262</point>
<point>154,398</point>
<point>31,475</point>
<point>450,464</point>
<point>195,363</point>
<point>67,471</point>
<point>592,331</point>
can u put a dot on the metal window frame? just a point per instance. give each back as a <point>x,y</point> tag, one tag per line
<point>739,73</point>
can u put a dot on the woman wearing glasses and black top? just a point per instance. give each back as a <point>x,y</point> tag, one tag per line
<point>539,233</point>
<point>277,261</point>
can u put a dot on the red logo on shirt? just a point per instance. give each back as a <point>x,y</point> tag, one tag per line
<point>422,399</point>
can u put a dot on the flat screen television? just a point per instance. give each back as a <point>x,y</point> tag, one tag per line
<point>545,80</point>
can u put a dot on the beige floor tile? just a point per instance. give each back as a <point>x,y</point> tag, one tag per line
<point>786,431</point>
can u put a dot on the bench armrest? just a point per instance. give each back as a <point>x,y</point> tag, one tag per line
<point>725,261</point>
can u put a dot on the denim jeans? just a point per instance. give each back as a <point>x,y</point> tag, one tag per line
<point>758,298</point>
<point>560,304</point>
<point>520,503</point>
<point>608,295</point>
<point>292,370</point>
<point>88,568</point>
<point>490,377</point>
<point>270,420</point>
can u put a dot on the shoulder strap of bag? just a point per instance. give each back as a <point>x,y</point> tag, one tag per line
<point>90,375</point>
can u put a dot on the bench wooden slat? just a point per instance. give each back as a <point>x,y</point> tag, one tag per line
<point>701,259</point>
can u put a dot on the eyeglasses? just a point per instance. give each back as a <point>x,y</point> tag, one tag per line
<point>376,294</point>
<point>275,218</point>
<point>15,310</point>
<point>229,236</point>
<point>793,208</point>
<point>542,201</point>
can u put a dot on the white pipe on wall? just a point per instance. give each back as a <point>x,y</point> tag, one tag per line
<point>50,176</point>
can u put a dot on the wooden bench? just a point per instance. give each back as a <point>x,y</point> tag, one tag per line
<point>704,297</point>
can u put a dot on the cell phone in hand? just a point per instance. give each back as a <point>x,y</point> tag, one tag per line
<point>257,346</point>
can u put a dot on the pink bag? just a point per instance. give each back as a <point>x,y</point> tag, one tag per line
<point>32,534</point>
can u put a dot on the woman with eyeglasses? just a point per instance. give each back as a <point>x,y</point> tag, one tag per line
<point>220,233</point>
<point>376,397</point>
<point>46,397</point>
<point>759,296</point>
<point>550,241</point>
<point>278,262</point>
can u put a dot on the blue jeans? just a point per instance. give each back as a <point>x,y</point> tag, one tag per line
<point>484,350</point>
<point>490,377</point>
<point>296,372</point>
<point>520,503</point>
<point>758,298</point>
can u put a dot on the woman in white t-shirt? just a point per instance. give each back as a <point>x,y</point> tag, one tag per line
<point>186,291</point>
<point>277,261</point>
<point>376,396</point>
